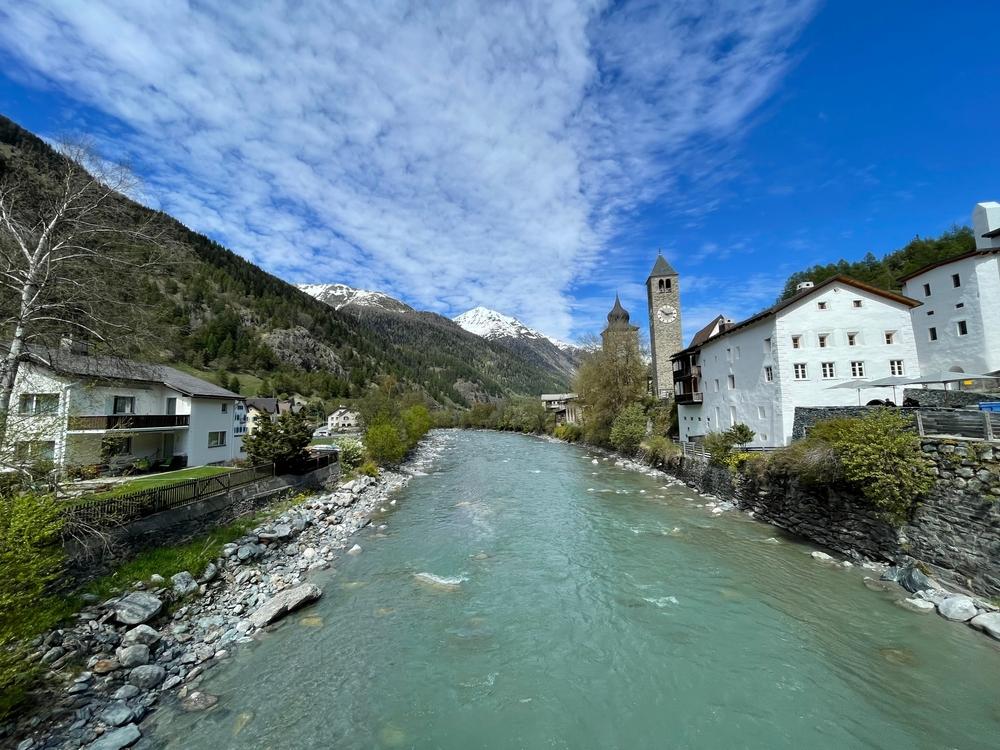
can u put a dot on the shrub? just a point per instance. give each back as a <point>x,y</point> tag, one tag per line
<point>352,453</point>
<point>369,468</point>
<point>741,435</point>
<point>657,450</point>
<point>282,442</point>
<point>384,442</point>
<point>568,432</point>
<point>31,559</point>
<point>628,429</point>
<point>719,445</point>
<point>417,422</point>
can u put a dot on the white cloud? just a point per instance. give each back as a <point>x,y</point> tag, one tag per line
<point>455,155</point>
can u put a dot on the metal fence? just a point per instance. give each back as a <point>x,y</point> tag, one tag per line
<point>134,505</point>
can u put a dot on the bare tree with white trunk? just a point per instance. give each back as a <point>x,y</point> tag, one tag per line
<point>74,251</point>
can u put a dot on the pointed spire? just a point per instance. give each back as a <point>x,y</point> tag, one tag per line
<point>618,313</point>
<point>662,267</point>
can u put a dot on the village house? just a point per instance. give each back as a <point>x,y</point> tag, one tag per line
<point>266,408</point>
<point>565,406</point>
<point>343,420</point>
<point>757,371</point>
<point>956,327</point>
<point>76,410</point>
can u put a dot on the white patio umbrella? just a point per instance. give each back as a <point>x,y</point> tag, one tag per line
<point>890,382</point>
<point>947,376</point>
<point>855,384</point>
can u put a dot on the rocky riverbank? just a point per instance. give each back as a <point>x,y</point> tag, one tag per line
<point>154,643</point>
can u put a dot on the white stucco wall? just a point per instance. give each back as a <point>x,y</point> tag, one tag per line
<point>979,296</point>
<point>769,408</point>
<point>207,416</point>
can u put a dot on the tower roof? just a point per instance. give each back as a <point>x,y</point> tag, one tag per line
<point>618,315</point>
<point>662,267</point>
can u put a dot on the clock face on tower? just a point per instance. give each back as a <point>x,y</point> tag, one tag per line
<point>666,314</point>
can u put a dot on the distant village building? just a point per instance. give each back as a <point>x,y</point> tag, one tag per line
<point>957,328</point>
<point>619,333</point>
<point>757,371</point>
<point>663,297</point>
<point>267,408</point>
<point>343,420</point>
<point>75,409</point>
<point>565,406</point>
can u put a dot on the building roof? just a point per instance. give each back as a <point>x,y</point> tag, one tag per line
<point>946,261</point>
<point>266,405</point>
<point>661,268</point>
<point>115,368</point>
<point>706,333</point>
<point>618,315</point>
<point>992,233</point>
<point>558,396</point>
<point>776,308</point>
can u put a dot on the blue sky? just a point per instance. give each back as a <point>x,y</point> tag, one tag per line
<point>530,157</point>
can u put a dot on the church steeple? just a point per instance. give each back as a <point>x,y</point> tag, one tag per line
<point>664,300</point>
<point>661,268</point>
<point>618,315</point>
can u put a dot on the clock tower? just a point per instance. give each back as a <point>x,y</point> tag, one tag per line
<point>663,295</point>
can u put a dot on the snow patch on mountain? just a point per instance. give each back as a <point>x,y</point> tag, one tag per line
<point>341,295</point>
<point>490,324</point>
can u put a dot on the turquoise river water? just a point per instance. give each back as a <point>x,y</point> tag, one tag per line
<point>525,597</point>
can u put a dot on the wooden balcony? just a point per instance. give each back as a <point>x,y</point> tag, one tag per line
<point>128,422</point>
<point>689,398</point>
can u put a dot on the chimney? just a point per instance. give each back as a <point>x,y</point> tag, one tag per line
<point>74,346</point>
<point>804,285</point>
<point>986,225</point>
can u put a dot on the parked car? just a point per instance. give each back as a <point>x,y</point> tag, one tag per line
<point>322,432</point>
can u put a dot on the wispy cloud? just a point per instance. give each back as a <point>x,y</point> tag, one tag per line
<point>453,155</point>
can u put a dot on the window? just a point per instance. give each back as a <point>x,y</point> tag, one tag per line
<point>732,382</point>
<point>896,367</point>
<point>956,280</point>
<point>821,305</point>
<point>35,450</point>
<point>927,290</point>
<point>664,285</point>
<point>216,439</point>
<point>796,342</point>
<point>124,405</point>
<point>116,445</point>
<point>963,329</point>
<point>761,412</point>
<point>852,339</point>
<point>930,312</point>
<point>729,355</point>
<point>932,334</point>
<point>800,371</point>
<point>829,370</point>
<point>857,303</point>
<point>959,305</point>
<point>737,352</point>
<point>716,385</point>
<point>823,338</point>
<point>732,416</point>
<point>225,407</point>
<point>857,369</point>
<point>768,374</point>
<point>890,337</point>
<point>39,403</point>
<point>767,345</point>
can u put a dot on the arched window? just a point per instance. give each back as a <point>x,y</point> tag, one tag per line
<point>662,285</point>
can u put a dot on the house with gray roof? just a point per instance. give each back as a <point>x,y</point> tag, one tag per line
<point>81,410</point>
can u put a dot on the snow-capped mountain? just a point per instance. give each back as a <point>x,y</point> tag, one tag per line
<point>338,296</point>
<point>512,333</point>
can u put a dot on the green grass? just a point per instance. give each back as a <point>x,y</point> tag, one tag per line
<point>323,441</point>
<point>164,479</point>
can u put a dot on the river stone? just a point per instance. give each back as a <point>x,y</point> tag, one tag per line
<point>141,634</point>
<point>988,622</point>
<point>247,552</point>
<point>147,676</point>
<point>52,654</point>
<point>116,714</point>
<point>116,739</point>
<point>210,573</point>
<point>126,692</point>
<point>105,666</point>
<point>960,608</point>
<point>137,608</point>
<point>284,602</point>
<point>199,701</point>
<point>184,583</point>
<point>917,605</point>
<point>355,550</point>
<point>822,557</point>
<point>134,655</point>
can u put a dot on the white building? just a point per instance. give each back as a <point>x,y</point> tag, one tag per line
<point>343,420</point>
<point>80,410</point>
<point>958,326</point>
<point>757,371</point>
<point>565,406</point>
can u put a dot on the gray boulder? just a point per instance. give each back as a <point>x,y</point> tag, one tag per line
<point>248,552</point>
<point>917,605</point>
<point>147,676</point>
<point>988,622</point>
<point>117,739</point>
<point>137,608</point>
<point>133,656</point>
<point>909,577</point>
<point>116,714</point>
<point>284,602</point>
<point>126,692</point>
<point>141,634</point>
<point>211,571</point>
<point>958,608</point>
<point>184,583</point>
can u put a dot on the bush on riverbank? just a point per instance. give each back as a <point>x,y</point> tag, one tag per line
<point>657,450</point>
<point>628,429</point>
<point>31,559</point>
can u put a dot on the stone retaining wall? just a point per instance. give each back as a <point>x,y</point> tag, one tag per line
<point>952,399</point>
<point>955,531</point>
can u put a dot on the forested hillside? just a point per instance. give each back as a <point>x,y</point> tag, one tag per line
<point>886,272</point>
<point>213,311</point>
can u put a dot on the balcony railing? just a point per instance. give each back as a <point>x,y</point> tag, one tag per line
<point>689,398</point>
<point>128,421</point>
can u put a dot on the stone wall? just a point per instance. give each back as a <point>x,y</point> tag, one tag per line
<point>952,399</point>
<point>955,531</point>
<point>806,416</point>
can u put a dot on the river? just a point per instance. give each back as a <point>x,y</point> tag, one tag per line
<point>581,605</point>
